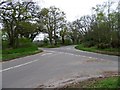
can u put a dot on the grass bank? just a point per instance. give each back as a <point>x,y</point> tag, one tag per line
<point>106,82</point>
<point>109,51</point>
<point>8,54</point>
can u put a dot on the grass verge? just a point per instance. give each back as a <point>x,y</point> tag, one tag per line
<point>111,82</point>
<point>109,51</point>
<point>9,54</point>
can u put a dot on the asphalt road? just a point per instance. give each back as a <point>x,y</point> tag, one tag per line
<point>55,65</point>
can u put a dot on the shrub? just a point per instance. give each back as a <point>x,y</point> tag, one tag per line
<point>103,46</point>
<point>68,42</point>
<point>39,43</point>
<point>115,44</point>
<point>42,43</point>
<point>24,42</point>
<point>88,44</point>
<point>46,41</point>
<point>4,44</point>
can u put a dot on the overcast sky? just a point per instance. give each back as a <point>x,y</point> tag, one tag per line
<point>73,8</point>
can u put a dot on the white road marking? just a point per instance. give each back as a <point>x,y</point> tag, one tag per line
<point>67,53</point>
<point>75,54</point>
<point>90,57</point>
<point>17,59</point>
<point>46,54</point>
<point>18,65</point>
<point>23,64</point>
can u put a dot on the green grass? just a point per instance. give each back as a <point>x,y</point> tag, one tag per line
<point>92,84</point>
<point>111,82</point>
<point>110,51</point>
<point>8,54</point>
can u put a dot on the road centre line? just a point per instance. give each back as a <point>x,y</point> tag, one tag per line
<point>19,65</point>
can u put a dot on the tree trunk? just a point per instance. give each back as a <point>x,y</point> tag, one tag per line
<point>55,37</point>
<point>55,40</point>
<point>11,37</point>
<point>32,36</point>
<point>11,41</point>
<point>50,38</point>
<point>50,41</point>
<point>16,42</point>
<point>63,40</point>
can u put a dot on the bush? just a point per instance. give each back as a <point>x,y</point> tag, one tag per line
<point>52,46</point>
<point>39,43</point>
<point>4,44</point>
<point>88,44</point>
<point>103,46</point>
<point>10,53</point>
<point>42,43</point>
<point>115,44</point>
<point>46,41</point>
<point>26,47</point>
<point>19,50</point>
<point>24,42</point>
<point>68,42</point>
